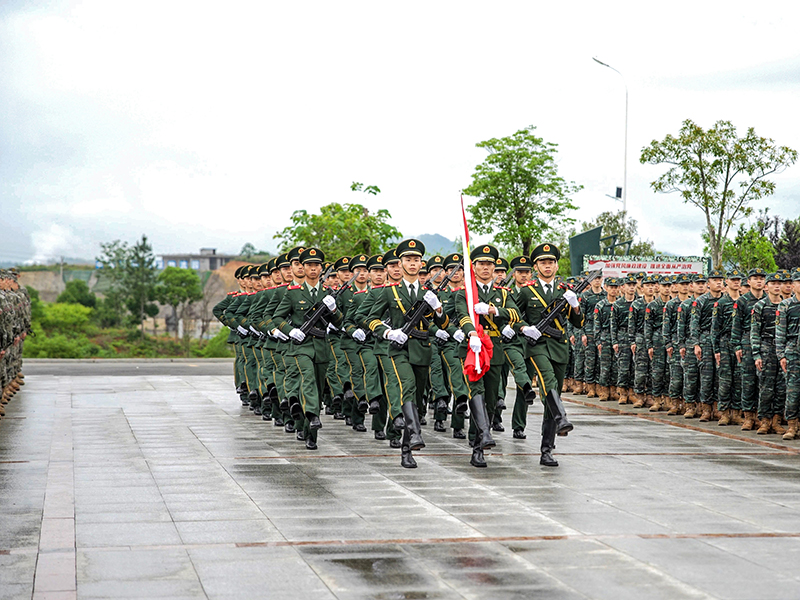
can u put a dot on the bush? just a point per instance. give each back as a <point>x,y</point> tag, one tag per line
<point>217,346</point>
<point>77,292</point>
<point>65,318</point>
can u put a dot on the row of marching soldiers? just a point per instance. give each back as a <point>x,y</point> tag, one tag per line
<point>15,324</point>
<point>314,339</point>
<point>719,348</point>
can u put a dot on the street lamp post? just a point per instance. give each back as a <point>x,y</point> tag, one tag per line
<point>625,161</point>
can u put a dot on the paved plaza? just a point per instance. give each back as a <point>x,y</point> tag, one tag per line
<point>149,480</point>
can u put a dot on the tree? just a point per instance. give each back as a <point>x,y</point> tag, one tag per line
<point>248,250</point>
<point>132,272</point>
<point>718,172</point>
<point>749,249</point>
<point>340,230</point>
<point>785,237</point>
<point>370,189</point>
<point>625,229</point>
<point>77,292</point>
<point>178,288</point>
<point>521,198</point>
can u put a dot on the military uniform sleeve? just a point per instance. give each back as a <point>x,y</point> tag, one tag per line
<point>755,330</point>
<point>780,329</point>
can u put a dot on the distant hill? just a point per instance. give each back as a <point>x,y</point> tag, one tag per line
<point>437,244</point>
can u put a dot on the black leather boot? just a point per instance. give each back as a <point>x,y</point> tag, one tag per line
<point>336,403</point>
<point>529,393</point>
<point>413,426</point>
<point>313,421</point>
<point>548,443</point>
<point>406,459</point>
<point>295,409</point>
<point>375,405</point>
<point>255,399</point>
<point>480,417</point>
<point>477,459</point>
<point>245,398</point>
<point>556,408</point>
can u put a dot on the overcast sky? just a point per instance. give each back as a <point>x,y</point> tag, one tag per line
<point>207,124</point>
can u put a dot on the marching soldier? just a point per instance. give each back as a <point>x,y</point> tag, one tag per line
<point>787,334</point>
<point>691,372</point>
<point>219,313</point>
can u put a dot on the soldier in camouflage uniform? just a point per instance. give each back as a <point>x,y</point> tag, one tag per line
<point>729,392</point>
<point>787,347</point>
<point>601,337</point>
<point>621,340</point>
<point>642,383</point>
<point>700,342</point>
<point>589,300</point>
<point>15,324</point>
<point>669,330</point>
<point>771,383</point>
<point>740,343</point>
<point>654,342</point>
<point>689,363</point>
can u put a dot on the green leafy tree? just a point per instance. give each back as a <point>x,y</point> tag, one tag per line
<point>65,318</point>
<point>78,292</point>
<point>341,230</point>
<point>178,288</point>
<point>37,308</point>
<point>749,249</point>
<point>625,229</point>
<point>521,198</point>
<point>370,189</point>
<point>719,172</point>
<point>248,251</point>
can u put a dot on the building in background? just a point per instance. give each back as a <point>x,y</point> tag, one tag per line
<point>206,260</point>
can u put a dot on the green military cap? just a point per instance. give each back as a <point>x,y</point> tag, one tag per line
<point>641,275</point>
<point>342,263</point>
<point>630,278</point>
<point>410,247</point>
<point>263,269</point>
<point>796,270</point>
<point>312,255</point>
<point>272,265</point>
<point>543,251</point>
<point>452,260</point>
<point>238,273</point>
<point>699,277</point>
<point>390,256</point>
<point>648,279</point>
<point>716,274</point>
<point>484,252</point>
<point>282,260</point>
<point>424,268</point>
<point>520,262</point>
<point>437,260</point>
<point>683,278</point>
<point>796,275</point>
<point>359,261</point>
<point>585,274</point>
<point>735,274</point>
<point>666,280</point>
<point>756,271</point>
<point>784,272</point>
<point>773,277</point>
<point>375,262</point>
<point>501,264</point>
<point>294,253</point>
<point>612,281</point>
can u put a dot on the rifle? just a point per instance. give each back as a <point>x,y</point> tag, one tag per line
<point>417,312</point>
<point>555,310</point>
<point>509,278</point>
<point>325,275</point>
<point>319,310</point>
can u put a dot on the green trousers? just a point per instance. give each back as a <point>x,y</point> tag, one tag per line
<point>311,378</point>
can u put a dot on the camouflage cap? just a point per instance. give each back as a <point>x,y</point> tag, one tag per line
<point>757,272</point>
<point>735,274</point>
<point>612,281</point>
<point>683,278</point>
<point>666,279</point>
<point>630,278</point>
<point>774,278</point>
<point>641,275</point>
<point>700,278</point>
<point>716,274</point>
<point>796,275</point>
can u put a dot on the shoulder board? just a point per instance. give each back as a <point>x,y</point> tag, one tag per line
<point>232,293</point>
<point>458,289</point>
<point>378,287</point>
<point>283,285</point>
<point>500,287</point>
<point>362,291</point>
<point>294,287</point>
<point>391,284</point>
<point>534,283</point>
<point>251,293</point>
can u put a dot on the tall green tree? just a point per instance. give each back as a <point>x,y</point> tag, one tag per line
<point>749,249</point>
<point>77,292</point>
<point>341,230</point>
<point>521,197</point>
<point>625,228</point>
<point>719,172</point>
<point>178,288</point>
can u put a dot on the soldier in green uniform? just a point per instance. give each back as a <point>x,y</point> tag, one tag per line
<point>701,344</point>
<point>410,356</point>
<point>669,331</point>
<point>219,313</point>
<point>591,371</point>
<point>258,338</point>
<point>237,333</point>
<point>771,382</point>
<point>440,387</point>
<point>740,343</point>
<point>338,375</point>
<point>601,337</point>
<point>308,355</point>
<point>621,341</point>
<point>729,392</point>
<point>689,363</point>
<point>787,335</point>
<point>549,355</point>
<point>501,267</point>
<point>642,381</point>
<point>654,342</point>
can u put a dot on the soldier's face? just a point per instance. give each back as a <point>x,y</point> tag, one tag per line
<point>313,270</point>
<point>734,284</point>
<point>500,275</point>
<point>700,288</point>
<point>277,279</point>
<point>796,288</point>
<point>394,271</point>
<point>757,282</point>
<point>436,275</point>
<point>377,276</point>
<point>286,273</point>
<point>547,268</point>
<point>457,277</point>
<point>361,274</point>
<point>344,275</point>
<point>522,276</point>
<point>484,269</point>
<point>683,288</point>
<point>715,285</point>
<point>297,269</point>
<point>613,292</point>
<point>629,289</point>
<point>786,288</point>
<point>649,289</point>
<point>774,288</point>
<point>411,264</point>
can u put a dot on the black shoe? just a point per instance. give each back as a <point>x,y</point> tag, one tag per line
<point>441,406</point>
<point>278,422</point>
<point>301,435</point>
<point>519,434</point>
<point>498,427</point>
<point>501,404</point>
<point>337,416</point>
<point>311,444</point>
<point>529,393</point>
<point>349,395</point>
<point>394,444</point>
<point>348,421</point>
<point>284,405</point>
<point>477,457</point>
<point>399,423</point>
<point>266,417</point>
<point>423,421</point>
<point>245,400</point>
<point>359,427</point>
<point>406,460</point>
<point>547,460</point>
<point>379,435</point>
<point>461,406</point>
<point>296,410</point>
<point>289,428</point>
<point>257,410</point>
<point>459,434</point>
<point>363,406</point>
<point>374,407</point>
<point>336,404</point>
<point>241,389</point>
<point>328,410</point>
<point>439,426</point>
<point>314,422</point>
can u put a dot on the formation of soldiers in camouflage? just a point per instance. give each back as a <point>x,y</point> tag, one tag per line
<point>15,324</point>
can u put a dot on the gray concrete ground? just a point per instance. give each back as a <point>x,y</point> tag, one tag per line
<point>159,485</point>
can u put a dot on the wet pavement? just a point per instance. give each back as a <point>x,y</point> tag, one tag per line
<point>152,485</point>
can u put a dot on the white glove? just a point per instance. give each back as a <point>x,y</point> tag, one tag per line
<point>432,300</point>
<point>481,308</point>
<point>359,335</point>
<point>279,335</point>
<point>297,335</point>
<point>508,332</point>
<point>531,332</point>
<point>442,335</point>
<point>396,335</point>
<point>256,332</point>
<point>242,330</point>
<point>475,344</point>
<point>458,336</point>
<point>571,298</point>
<point>332,327</point>
<point>330,302</point>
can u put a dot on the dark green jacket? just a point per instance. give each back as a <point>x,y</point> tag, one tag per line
<point>291,314</point>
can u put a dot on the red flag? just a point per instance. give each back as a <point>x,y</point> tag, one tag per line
<point>474,366</point>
